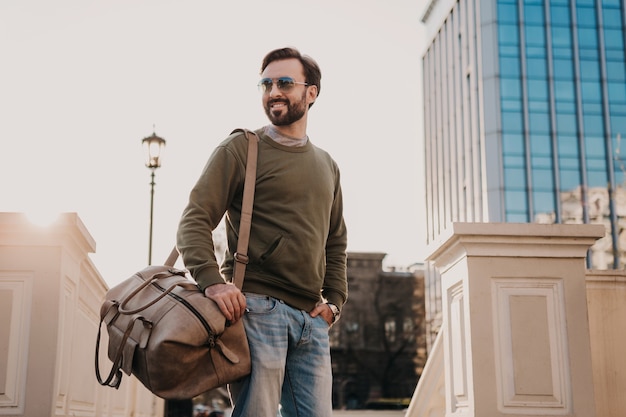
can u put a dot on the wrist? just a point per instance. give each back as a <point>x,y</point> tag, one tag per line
<point>335,310</point>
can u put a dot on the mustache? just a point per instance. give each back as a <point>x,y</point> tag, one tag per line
<point>277,100</point>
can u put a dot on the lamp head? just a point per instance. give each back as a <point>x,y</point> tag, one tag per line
<point>153,146</point>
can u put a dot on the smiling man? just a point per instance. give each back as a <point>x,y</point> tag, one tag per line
<point>295,283</point>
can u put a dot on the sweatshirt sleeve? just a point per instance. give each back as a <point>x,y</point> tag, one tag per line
<point>335,288</point>
<point>208,201</point>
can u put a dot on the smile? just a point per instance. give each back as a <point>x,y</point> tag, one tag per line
<point>277,104</point>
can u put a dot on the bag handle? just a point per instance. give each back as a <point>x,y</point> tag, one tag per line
<point>241,255</point>
<point>183,282</point>
<point>115,375</point>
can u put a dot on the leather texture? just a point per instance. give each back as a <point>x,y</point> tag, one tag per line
<point>165,332</point>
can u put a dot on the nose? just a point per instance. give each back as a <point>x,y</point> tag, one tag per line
<point>274,90</point>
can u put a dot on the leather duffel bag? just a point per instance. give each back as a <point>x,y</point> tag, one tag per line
<point>164,331</point>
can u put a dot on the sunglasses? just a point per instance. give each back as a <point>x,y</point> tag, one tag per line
<point>284,84</point>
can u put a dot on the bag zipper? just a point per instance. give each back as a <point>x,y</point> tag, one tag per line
<point>211,334</point>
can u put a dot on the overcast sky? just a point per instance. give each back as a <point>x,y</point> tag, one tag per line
<point>83,82</point>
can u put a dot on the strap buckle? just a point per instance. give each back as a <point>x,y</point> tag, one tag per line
<point>241,258</point>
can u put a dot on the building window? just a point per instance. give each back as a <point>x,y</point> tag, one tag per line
<point>390,329</point>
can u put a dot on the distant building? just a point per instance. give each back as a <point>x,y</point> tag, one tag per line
<point>378,347</point>
<point>524,115</point>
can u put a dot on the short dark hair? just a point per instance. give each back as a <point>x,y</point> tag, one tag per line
<point>312,72</point>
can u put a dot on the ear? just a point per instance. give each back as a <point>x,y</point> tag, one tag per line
<point>312,93</point>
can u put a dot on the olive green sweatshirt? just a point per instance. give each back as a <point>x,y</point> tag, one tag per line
<point>298,237</point>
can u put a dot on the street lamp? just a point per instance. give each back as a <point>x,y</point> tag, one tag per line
<point>153,146</point>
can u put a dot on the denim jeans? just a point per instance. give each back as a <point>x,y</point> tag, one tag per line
<point>290,363</point>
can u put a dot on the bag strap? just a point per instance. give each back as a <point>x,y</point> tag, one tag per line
<point>241,254</point>
<point>182,282</point>
<point>114,377</point>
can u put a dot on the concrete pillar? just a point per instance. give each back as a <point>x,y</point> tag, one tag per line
<point>39,277</point>
<point>516,339</point>
<point>50,296</point>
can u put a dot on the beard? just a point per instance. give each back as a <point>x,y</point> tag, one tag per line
<point>295,111</point>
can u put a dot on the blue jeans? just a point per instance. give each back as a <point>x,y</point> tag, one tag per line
<point>290,363</point>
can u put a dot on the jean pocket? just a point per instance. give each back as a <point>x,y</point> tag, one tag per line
<point>323,323</point>
<point>260,304</point>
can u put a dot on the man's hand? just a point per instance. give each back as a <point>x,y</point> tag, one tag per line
<point>229,299</point>
<point>324,311</point>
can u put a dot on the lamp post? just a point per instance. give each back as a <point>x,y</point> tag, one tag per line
<point>153,146</point>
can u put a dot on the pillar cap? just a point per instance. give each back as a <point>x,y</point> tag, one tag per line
<point>517,240</point>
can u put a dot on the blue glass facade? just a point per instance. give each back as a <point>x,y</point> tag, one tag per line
<point>525,111</point>
<point>563,101</point>
<point>525,118</point>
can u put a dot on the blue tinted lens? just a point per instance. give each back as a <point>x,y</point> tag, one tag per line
<point>265,84</point>
<point>285,83</point>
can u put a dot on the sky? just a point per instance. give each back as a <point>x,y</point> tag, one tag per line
<point>83,82</point>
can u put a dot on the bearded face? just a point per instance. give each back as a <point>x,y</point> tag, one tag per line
<point>282,111</point>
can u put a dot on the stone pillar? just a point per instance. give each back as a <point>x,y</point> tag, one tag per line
<point>50,296</point>
<point>39,277</point>
<point>516,333</point>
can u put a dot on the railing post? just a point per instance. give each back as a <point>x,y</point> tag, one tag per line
<point>50,297</point>
<point>516,338</point>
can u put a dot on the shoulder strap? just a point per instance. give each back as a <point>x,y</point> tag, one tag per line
<point>241,255</point>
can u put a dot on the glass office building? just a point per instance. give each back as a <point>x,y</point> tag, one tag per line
<point>525,116</point>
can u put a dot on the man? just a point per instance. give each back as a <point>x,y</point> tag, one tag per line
<point>295,282</point>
